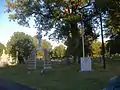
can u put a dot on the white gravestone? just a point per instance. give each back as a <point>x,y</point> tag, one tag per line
<point>86,64</point>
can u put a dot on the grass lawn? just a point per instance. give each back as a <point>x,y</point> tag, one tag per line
<point>63,77</point>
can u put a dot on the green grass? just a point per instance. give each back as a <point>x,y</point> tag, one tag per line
<point>63,77</point>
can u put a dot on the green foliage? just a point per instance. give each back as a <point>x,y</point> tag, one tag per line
<point>102,4</point>
<point>1,48</point>
<point>47,13</point>
<point>59,51</point>
<point>21,43</point>
<point>46,44</point>
<point>35,41</point>
<point>113,46</point>
<point>62,15</point>
<point>96,50</point>
<point>40,54</point>
<point>113,19</point>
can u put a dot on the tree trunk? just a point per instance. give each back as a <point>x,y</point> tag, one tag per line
<point>21,60</point>
<point>73,42</point>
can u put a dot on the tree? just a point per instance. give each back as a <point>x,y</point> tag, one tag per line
<point>40,54</point>
<point>35,41</point>
<point>113,19</point>
<point>59,51</point>
<point>1,48</point>
<point>62,15</point>
<point>48,14</point>
<point>113,27</point>
<point>96,48</point>
<point>112,46</point>
<point>21,43</point>
<point>46,44</point>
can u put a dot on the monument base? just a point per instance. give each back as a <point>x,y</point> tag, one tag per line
<point>47,66</point>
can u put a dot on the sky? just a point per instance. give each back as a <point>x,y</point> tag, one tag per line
<point>7,28</point>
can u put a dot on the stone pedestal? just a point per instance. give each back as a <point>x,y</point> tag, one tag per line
<point>86,64</point>
<point>47,63</point>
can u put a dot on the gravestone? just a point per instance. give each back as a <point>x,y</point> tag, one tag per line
<point>32,61</point>
<point>47,63</point>
<point>4,58</point>
<point>86,64</point>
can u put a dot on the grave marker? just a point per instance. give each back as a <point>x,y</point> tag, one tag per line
<point>32,61</point>
<point>47,63</point>
<point>86,64</point>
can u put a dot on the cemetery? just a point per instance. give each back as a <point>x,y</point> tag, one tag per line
<point>62,76</point>
<point>45,75</point>
<point>76,45</point>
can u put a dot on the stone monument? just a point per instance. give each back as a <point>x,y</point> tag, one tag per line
<point>32,61</point>
<point>47,63</point>
<point>86,64</point>
<point>6,59</point>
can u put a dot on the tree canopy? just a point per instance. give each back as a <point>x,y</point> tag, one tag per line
<point>21,43</point>
<point>113,19</point>
<point>96,48</point>
<point>62,15</point>
<point>58,51</point>
<point>44,44</point>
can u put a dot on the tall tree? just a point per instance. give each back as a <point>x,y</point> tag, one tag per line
<point>113,27</point>
<point>62,15</point>
<point>21,43</point>
<point>48,13</point>
<point>113,19</point>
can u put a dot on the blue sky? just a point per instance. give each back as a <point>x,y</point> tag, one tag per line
<point>7,28</point>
